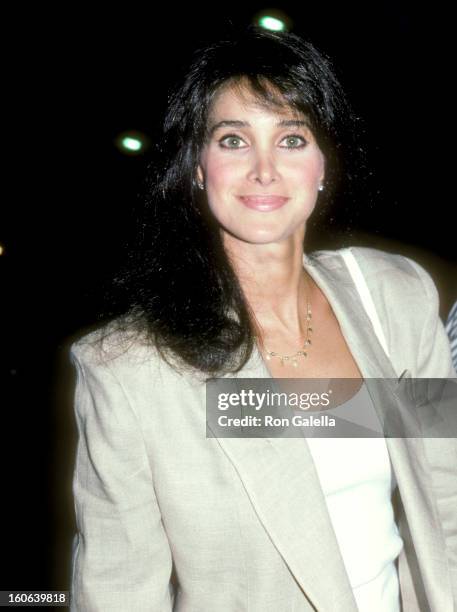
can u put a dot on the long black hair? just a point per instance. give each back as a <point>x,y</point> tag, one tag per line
<point>177,289</point>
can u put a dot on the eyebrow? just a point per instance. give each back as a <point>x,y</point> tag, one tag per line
<point>235,123</point>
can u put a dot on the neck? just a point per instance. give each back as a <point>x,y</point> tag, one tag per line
<point>276,286</point>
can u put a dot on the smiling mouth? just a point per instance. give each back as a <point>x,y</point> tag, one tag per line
<point>263,203</point>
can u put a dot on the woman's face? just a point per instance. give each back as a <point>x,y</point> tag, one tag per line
<point>257,156</point>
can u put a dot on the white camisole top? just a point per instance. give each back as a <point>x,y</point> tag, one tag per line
<point>357,480</point>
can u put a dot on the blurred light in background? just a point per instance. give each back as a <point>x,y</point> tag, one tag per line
<point>273,19</point>
<point>1,249</point>
<point>271,23</point>
<point>132,142</point>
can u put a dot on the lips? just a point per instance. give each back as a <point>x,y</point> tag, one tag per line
<point>263,203</point>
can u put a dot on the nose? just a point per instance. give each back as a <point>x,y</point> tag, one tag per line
<point>263,169</point>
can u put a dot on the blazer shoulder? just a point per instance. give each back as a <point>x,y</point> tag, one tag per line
<point>382,267</point>
<point>126,351</point>
<point>395,273</point>
<point>113,343</point>
<point>407,301</point>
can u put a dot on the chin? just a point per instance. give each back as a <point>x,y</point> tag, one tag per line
<point>260,236</point>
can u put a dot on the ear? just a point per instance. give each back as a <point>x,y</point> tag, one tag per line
<point>200,176</point>
<point>324,163</point>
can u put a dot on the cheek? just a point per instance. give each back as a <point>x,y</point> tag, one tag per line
<point>309,172</point>
<point>220,172</point>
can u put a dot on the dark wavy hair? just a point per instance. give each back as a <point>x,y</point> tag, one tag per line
<point>177,288</point>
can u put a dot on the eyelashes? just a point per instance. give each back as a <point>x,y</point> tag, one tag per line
<point>234,136</point>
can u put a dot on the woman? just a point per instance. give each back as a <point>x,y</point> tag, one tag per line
<point>220,286</point>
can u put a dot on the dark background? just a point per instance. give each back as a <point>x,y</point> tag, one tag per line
<point>73,81</point>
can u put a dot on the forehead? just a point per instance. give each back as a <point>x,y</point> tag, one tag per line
<point>241,99</point>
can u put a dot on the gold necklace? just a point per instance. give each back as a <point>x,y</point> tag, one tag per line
<point>300,353</point>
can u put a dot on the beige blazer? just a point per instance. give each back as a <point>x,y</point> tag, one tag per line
<point>169,519</point>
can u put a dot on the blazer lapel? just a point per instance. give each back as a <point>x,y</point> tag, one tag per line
<point>282,483</point>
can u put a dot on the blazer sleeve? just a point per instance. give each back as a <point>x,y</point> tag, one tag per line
<point>121,559</point>
<point>435,361</point>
